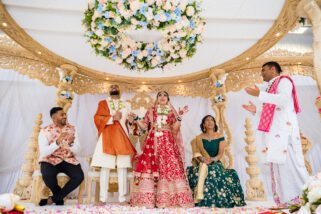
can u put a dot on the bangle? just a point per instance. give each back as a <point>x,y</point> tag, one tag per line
<point>136,118</point>
<point>179,118</point>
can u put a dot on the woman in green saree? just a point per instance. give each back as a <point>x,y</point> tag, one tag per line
<point>212,185</point>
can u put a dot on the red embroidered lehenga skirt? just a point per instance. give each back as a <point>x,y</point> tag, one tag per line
<point>160,175</point>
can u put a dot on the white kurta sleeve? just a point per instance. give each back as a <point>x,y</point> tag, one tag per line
<point>75,148</point>
<point>283,96</point>
<point>44,148</point>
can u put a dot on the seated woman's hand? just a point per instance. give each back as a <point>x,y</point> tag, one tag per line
<point>208,161</point>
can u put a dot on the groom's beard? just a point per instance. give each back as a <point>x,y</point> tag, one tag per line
<point>114,93</point>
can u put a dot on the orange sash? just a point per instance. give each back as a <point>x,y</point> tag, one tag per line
<point>114,138</point>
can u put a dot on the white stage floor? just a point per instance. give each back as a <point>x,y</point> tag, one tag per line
<point>72,207</point>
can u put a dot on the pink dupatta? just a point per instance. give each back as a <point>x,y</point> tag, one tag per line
<point>269,109</point>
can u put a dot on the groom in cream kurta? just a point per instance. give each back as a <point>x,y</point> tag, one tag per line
<point>113,148</point>
<point>282,143</point>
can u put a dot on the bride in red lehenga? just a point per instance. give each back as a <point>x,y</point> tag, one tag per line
<point>159,176</point>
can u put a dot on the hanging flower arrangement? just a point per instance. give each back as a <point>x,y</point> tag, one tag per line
<point>178,21</point>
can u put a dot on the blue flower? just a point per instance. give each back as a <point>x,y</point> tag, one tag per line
<point>192,24</point>
<point>67,95</point>
<point>135,53</point>
<point>133,63</point>
<point>159,52</point>
<point>192,39</point>
<point>100,26</point>
<point>100,8</point>
<point>178,19</point>
<point>177,12</point>
<point>106,14</point>
<point>68,78</point>
<point>143,8</point>
<point>168,16</point>
<point>218,84</point>
<point>108,39</point>
<point>112,49</point>
<point>157,17</point>
<point>155,44</point>
<point>90,33</point>
<point>143,24</point>
<point>114,57</point>
<point>149,50</point>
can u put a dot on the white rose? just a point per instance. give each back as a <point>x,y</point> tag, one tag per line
<point>314,195</point>
<point>171,28</point>
<point>118,20</point>
<point>140,55</point>
<point>126,53</point>
<point>183,53</point>
<point>134,5</point>
<point>154,62</point>
<point>182,5</point>
<point>150,2</point>
<point>93,26</point>
<point>129,60</point>
<point>190,11</point>
<point>119,60</point>
<point>111,14</point>
<point>305,209</point>
<point>167,5</point>
<point>185,21</point>
<point>162,17</point>
<point>318,210</point>
<point>159,2</point>
<point>149,14</point>
<point>134,21</point>
<point>140,65</point>
<point>99,32</point>
<point>145,53</point>
<point>126,15</point>
<point>156,23</point>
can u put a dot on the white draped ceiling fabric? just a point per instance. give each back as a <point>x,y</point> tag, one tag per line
<point>21,99</point>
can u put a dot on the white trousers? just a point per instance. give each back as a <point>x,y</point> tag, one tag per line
<point>122,184</point>
<point>288,178</point>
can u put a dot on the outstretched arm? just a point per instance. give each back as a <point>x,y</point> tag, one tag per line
<point>282,97</point>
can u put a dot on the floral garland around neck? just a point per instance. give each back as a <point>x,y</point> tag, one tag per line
<point>120,106</point>
<point>161,119</point>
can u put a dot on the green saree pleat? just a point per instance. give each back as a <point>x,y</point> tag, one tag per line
<point>222,187</point>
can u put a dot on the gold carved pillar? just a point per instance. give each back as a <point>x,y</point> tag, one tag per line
<point>254,186</point>
<point>311,10</point>
<point>218,99</point>
<point>306,146</point>
<point>65,87</point>
<point>24,184</point>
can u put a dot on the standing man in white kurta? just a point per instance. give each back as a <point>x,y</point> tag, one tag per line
<point>113,148</point>
<point>280,133</point>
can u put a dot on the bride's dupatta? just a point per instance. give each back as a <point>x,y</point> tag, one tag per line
<point>147,165</point>
<point>178,137</point>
